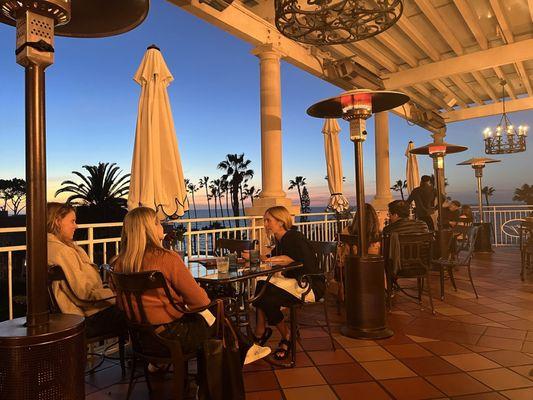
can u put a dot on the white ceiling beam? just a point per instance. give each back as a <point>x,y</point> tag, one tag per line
<point>508,87</point>
<point>472,22</point>
<point>420,99</point>
<point>500,17</point>
<point>485,85</point>
<point>461,84</point>
<point>486,110</point>
<point>525,78</point>
<point>442,27</point>
<point>378,56</point>
<point>484,59</point>
<point>530,3</point>
<point>416,36</point>
<point>445,89</point>
<point>439,102</point>
<point>400,50</point>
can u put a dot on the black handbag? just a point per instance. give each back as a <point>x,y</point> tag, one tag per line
<point>221,363</point>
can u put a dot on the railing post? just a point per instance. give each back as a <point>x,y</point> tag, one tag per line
<point>253,228</point>
<point>189,240</point>
<point>90,238</point>
<point>10,282</point>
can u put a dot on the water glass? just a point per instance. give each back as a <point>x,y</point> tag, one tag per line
<point>222,265</point>
<point>255,257</point>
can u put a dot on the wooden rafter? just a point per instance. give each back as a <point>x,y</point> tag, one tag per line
<point>472,21</point>
<point>485,85</point>
<point>416,36</point>
<point>400,50</point>
<point>435,99</point>
<point>442,27</point>
<point>525,103</point>
<point>525,78</point>
<point>461,84</point>
<point>508,87</point>
<point>445,89</point>
<point>378,56</point>
<point>424,102</point>
<point>530,3</point>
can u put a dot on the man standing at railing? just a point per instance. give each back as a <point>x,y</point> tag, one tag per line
<point>424,198</point>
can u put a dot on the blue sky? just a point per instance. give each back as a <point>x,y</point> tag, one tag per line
<point>92,107</point>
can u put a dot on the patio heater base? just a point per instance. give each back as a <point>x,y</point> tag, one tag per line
<point>365,299</point>
<point>45,363</point>
<point>483,244</point>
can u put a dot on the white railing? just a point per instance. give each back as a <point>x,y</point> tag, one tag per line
<point>102,241</point>
<point>505,221</point>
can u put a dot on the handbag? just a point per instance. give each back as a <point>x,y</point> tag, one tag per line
<point>221,363</point>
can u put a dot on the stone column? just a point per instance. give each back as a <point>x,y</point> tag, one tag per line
<point>383,193</point>
<point>272,193</point>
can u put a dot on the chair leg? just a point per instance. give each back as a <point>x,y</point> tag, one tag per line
<point>179,384</point>
<point>121,344</point>
<point>327,322</point>
<point>132,378</point>
<point>419,285</point>
<point>452,278</point>
<point>294,328</point>
<point>441,273</point>
<point>471,280</point>
<point>429,293</point>
<point>147,376</point>
<point>390,288</point>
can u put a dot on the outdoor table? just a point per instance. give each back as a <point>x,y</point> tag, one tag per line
<point>235,283</point>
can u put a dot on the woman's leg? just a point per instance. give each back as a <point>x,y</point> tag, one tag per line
<point>260,322</point>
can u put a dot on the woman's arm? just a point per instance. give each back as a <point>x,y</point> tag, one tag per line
<point>182,281</point>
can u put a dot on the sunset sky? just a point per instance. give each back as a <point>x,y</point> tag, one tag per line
<point>92,108</point>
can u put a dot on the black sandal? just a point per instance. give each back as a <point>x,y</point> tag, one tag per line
<point>264,337</point>
<point>282,353</point>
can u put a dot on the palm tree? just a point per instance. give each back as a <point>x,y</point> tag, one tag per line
<point>213,194</point>
<point>399,186</point>
<point>192,188</point>
<point>224,188</point>
<point>487,192</point>
<point>204,183</point>
<point>251,193</point>
<point>102,187</point>
<point>236,171</point>
<point>524,194</point>
<point>298,183</point>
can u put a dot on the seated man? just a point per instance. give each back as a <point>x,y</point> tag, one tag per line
<point>399,224</point>
<point>451,214</point>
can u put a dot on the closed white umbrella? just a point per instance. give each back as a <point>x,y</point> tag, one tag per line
<point>412,175</point>
<point>331,130</point>
<point>156,173</point>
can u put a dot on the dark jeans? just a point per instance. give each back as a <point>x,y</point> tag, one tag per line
<point>272,300</point>
<point>110,320</point>
<point>191,331</point>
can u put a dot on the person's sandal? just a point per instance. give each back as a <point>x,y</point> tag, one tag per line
<point>282,353</point>
<point>264,337</point>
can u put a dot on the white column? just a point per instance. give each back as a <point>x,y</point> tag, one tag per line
<point>272,193</point>
<point>383,192</point>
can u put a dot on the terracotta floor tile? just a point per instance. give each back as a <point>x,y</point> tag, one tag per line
<point>260,365</point>
<point>388,369</point>
<point>481,396</point>
<point>344,373</point>
<point>264,395</point>
<point>407,350</point>
<point>310,393</point>
<point>506,333</point>
<point>308,333</point>
<point>529,336</point>
<point>347,342</point>
<point>420,339</point>
<point>370,353</point>
<point>445,348</point>
<point>524,370</point>
<point>504,306</point>
<point>500,343</point>
<point>519,394</point>
<point>470,362</point>
<point>499,316</point>
<point>317,343</point>
<point>519,324</point>
<point>527,347</point>
<point>478,349</point>
<point>425,366</point>
<point>411,389</point>
<point>360,391</point>
<point>508,358</point>
<point>325,357</point>
<point>502,379</point>
<point>299,377</point>
<point>471,319</point>
<point>457,384</point>
<point>261,380</point>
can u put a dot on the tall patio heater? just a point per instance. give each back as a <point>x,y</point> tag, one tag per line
<point>437,151</point>
<point>42,356</point>
<point>483,238</point>
<point>365,302</point>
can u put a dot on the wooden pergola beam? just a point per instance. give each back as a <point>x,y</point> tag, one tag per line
<point>461,84</point>
<point>486,110</point>
<point>472,22</point>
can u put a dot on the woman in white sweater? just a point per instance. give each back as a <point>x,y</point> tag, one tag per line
<point>82,275</point>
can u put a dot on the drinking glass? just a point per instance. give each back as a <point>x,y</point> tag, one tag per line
<point>222,265</point>
<point>270,244</point>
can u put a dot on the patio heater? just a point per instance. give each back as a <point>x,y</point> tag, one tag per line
<point>365,303</point>
<point>483,238</point>
<point>437,151</point>
<point>41,355</point>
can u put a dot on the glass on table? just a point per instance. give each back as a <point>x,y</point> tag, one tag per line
<point>222,265</point>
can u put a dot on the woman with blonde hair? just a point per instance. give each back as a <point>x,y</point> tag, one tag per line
<point>283,291</point>
<point>81,274</point>
<point>141,250</point>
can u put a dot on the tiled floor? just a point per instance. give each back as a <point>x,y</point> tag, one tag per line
<point>477,349</point>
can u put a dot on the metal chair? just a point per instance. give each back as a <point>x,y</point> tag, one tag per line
<point>461,253</point>
<point>414,252</point>
<point>147,343</point>
<point>526,246</point>
<point>224,246</point>
<point>56,274</point>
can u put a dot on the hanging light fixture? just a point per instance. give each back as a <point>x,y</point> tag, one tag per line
<point>329,22</point>
<point>505,139</point>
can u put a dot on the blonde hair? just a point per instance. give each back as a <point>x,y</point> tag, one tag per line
<point>281,214</point>
<point>56,212</point>
<point>138,234</point>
